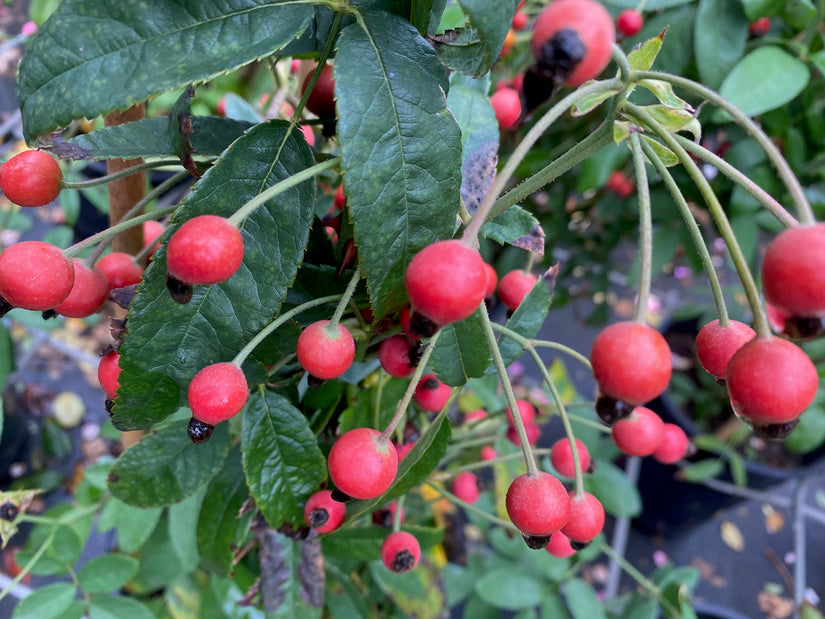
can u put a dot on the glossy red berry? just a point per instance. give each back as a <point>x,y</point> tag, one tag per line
<point>771,381</point>
<point>572,40</point>
<point>108,373</point>
<point>630,22</point>
<point>760,27</point>
<point>340,200</point>
<point>530,429</point>
<point>674,446</point>
<point>361,465</point>
<point>322,513</point>
<point>385,516</point>
<point>431,394</point>
<point>506,104</point>
<point>120,269</point>
<point>586,519</point>
<point>35,275</point>
<point>527,412</point>
<point>151,231</point>
<point>793,271</point>
<point>559,546</point>
<point>325,351</point>
<point>488,453</point>
<point>88,293</point>
<point>403,450</point>
<point>31,178</point>
<point>492,280</point>
<point>465,487</point>
<point>715,345</point>
<point>631,362</point>
<point>321,101</point>
<point>446,282</point>
<point>404,321</point>
<point>476,415</point>
<point>514,286</point>
<point>394,355</point>
<point>520,20</point>
<point>619,184</point>
<point>206,249</point>
<point>217,392</point>
<point>400,552</point>
<point>561,457</point>
<point>538,505</point>
<point>640,434</point>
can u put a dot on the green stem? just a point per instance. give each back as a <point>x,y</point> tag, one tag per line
<point>342,304</point>
<point>474,466</point>
<point>263,333</point>
<point>589,422</point>
<point>518,423</point>
<point>401,409</point>
<point>766,199</point>
<point>524,342</point>
<point>270,192</point>
<point>102,180</point>
<point>506,524</point>
<point>619,57</point>
<point>503,177</point>
<point>803,207</point>
<point>30,563</point>
<point>399,509</point>
<point>379,390</point>
<point>594,142</point>
<point>645,230</point>
<point>646,584</point>
<point>761,325</point>
<point>693,229</point>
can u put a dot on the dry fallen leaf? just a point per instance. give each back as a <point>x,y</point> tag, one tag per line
<point>732,536</point>
<point>774,606</point>
<point>774,521</point>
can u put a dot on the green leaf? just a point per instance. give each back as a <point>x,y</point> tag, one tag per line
<point>365,543</point>
<point>700,471</point>
<point>292,576</point>
<point>509,589</point>
<point>665,94</point>
<point>400,149</point>
<point>582,601</point>
<point>618,495</point>
<point>158,566</point>
<point>528,317</point>
<point>165,466</point>
<point>765,79</point>
<point>809,434</point>
<point>106,573</point>
<point>642,58</point>
<point>219,525</point>
<point>754,9</point>
<point>134,524</point>
<point>219,318</point>
<point>108,607</point>
<point>281,458</point>
<point>552,607</point>
<point>490,22</point>
<point>461,352</point>
<point>479,137</point>
<point>591,102</point>
<point>148,138</point>
<point>418,593</point>
<point>667,156</point>
<point>94,57</point>
<point>518,227</point>
<point>719,38</point>
<point>413,469</point>
<point>641,608</point>
<point>183,529</point>
<point>49,602</point>
<point>798,13</point>
<point>672,119</point>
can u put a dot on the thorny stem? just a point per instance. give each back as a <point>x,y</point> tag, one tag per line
<point>766,199</point>
<point>263,333</point>
<point>761,325</point>
<point>108,178</point>
<point>342,304</point>
<point>270,192</point>
<point>472,508</point>
<point>502,178</point>
<point>518,423</point>
<point>803,207</point>
<point>645,230</point>
<point>401,410</point>
<point>695,233</point>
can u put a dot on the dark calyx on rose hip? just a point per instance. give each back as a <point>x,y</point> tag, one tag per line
<point>181,292</point>
<point>560,55</point>
<point>610,410</point>
<point>199,431</point>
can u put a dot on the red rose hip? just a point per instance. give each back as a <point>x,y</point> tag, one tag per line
<point>216,393</point>
<point>561,457</point>
<point>538,505</point>
<point>361,464</point>
<point>394,355</point>
<point>715,345</point>
<point>35,275</point>
<point>31,178</point>
<point>640,434</point>
<point>674,446</point>
<point>207,249</point>
<point>325,351</point>
<point>514,286</point>
<point>400,552</point>
<point>108,373</point>
<point>88,293</point>
<point>629,22</point>
<point>793,271</point>
<point>120,269</point>
<point>322,513</point>
<point>431,394</point>
<point>586,519</point>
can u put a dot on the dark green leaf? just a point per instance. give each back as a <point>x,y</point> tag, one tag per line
<point>490,22</point>
<point>528,318</point>
<point>49,602</point>
<point>292,576</point>
<point>582,601</point>
<point>611,486</point>
<point>700,471</point>
<point>418,593</point>
<point>719,38</point>
<point>509,589</point>
<point>134,524</point>
<point>641,608</point>
<point>108,607</point>
<point>516,226</point>
<point>166,466</point>
<point>158,566</point>
<point>552,607</point>
<point>148,138</point>
<point>167,343</point>
<point>95,57</point>
<point>219,524</point>
<point>413,469</point>
<point>281,458</point>
<point>754,9</point>
<point>809,434</point>
<point>183,529</point>
<point>400,149</point>
<point>461,352</point>
<point>798,13</point>
<point>765,79</point>
<point>365,543</point>
<point>591,102</point>
<point>106,573</point>
<point>676,53</point>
